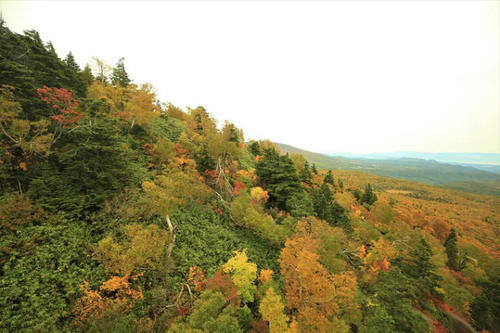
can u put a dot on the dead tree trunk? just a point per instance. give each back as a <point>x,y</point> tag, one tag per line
<point>172,231</point>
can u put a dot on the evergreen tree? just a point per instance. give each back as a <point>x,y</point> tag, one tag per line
<point>322,199</point>
<point>328,178</point>
<point>50,47</point>
<point>369,197</point>
<point>231,133</point>
<point>47,68</point>
<point>90,167</point>
<point>422,270</point>
<point>27,64</point>
<point>300,204</point>
<point>379,321</point>
<point>396,291</point>
<point>87,76</point>
<point>326,208</point>
<point>74,72</point>
<point>120,75</point>
<point>71,63</point>
<point>278,176</point>
<point>254,148</point>
<point>203,160</point>
<point>341,185</point>
<point>313,169</point>
<point>485,309</point>
<point>306,175</point>
<point>452,250</point>
<point>357,195</point>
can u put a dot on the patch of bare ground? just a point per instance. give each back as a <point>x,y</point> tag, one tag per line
<point>399,192</point>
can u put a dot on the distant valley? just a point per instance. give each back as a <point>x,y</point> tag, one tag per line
<point>482,161</point>
<point>467,159</point>
<point>469,172</point>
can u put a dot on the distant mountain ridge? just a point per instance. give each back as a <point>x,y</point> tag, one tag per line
<point>470,178</point>
<point>446,157</point>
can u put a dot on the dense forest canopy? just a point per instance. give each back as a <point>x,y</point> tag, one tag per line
<point>120,213</point>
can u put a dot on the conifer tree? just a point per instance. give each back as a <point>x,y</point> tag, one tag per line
<point>322,199</point>
<point>452,250</point>
<point>313,169</point>
<point>254,148</point>
<point>326,208</point>
<point>422,270</point>
<point>379,321</point>
<point>328,178</point>
<point>368,196</point>
<point>87,76</point>
<point>357,195</point>
<point>306,175</point>
<point>120,75</point>
<point>278,176</point>
<point>75,74</point>
<point>485,309</point>
<point>71,63</point>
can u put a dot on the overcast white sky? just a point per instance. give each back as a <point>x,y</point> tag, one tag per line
<point>324,76</point>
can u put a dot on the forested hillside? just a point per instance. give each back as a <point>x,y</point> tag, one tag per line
<point>481,179</point>
<point>120,213</point>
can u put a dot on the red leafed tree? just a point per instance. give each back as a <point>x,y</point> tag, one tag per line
<point>238,186</point>
<point>62,101</point>
<point>223,283</point>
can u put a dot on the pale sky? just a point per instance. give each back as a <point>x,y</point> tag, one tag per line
<point>336,76</point>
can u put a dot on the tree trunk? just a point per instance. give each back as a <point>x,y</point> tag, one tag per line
<point>172,230</point>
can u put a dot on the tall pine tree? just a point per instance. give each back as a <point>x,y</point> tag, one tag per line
<point>120,75</point>
<point>71,63</point>
<point>87,76</point>
<point>313,169</point>
<point>75,73</point>
<point>278,176</point>
<point>306,175</point>
<point>421,269</point>
<point>369,197</point>
<point>452,250</point>
<point>328,178</point>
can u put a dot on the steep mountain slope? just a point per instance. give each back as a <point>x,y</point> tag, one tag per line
<point>122,214</point>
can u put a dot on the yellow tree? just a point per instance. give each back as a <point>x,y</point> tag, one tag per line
<point>32,137</point>
<point>309,288</point>
<point>141,108</point>
<point>243,274</point>
<point>272,309</point>
<point>133,104</point>
<point>380,255</point>
<point>143,248</point>
<point>346,287</point>
<point>116,96</point>
<point>299,161</point>
<point>258,195</point>
<point>267,144</point>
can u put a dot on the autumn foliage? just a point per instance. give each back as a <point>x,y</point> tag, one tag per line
<point>120,213</point>
<point>63,102</point>
<point>309,288</point>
